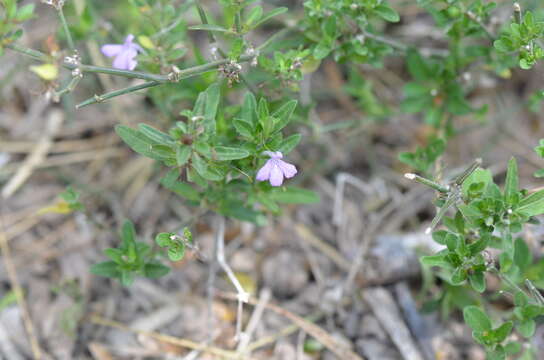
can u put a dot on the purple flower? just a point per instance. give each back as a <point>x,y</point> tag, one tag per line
<point>276,169</point>
<point>124,53</point>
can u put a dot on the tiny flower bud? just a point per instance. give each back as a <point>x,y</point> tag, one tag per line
<point>428,231</point>
<point>517,7</point>
<point>410,176</point>
<point>434,92</point>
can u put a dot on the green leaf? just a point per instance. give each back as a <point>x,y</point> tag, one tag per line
<point>164,239</point>
<point>477,281</point>
<point>106,269</point>
<point>417,66</point>
<point>289,144</point>
<point>503,45</point>
<point>511,183</point>
<point>436,260</point>
<point>476,319</point>
<point>440,236</point>
<point>387,13</point>
<point>115,254</point>
<point>294,195</point>
<point>128,233</point>
<point>213,97</point>
<point>156,135</point>
<point>505,262</point>
<point>243,128</point>
<point>522,254</point>
<point>477,176</point>
<point>154,270</point>
<point>127,277</point>
<point>24,13</point>
<point>209,27</point>
<point>254,15</point>
<point>512,348</point>
<point>270,15</point>
<point>203,148</point>
<point>176,251</point>
<point>138,142</point>
<point>533,204</point>
<point>182,154</point>
<point>224,153</point>
<point>458,276</point>
<point>249,110</point>
<point>526,328</point>
<point>499,334</point>
<point>283,114</point>
<point>496,353</point>
<point>182,189</point>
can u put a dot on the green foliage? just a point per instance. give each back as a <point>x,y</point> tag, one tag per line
<point>488,217</point>
<point>522,38</point>
<point>424,157</point>
<point>219,164</point>
<point>174,244</point>
<point>132,258</point>
<point>72,199</point>
<point>12,15</point>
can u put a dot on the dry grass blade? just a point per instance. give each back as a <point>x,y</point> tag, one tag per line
<point>337,348</point>
<point>386,311</point>
<point>170,339</point>
<point>329,251</point>
<point>56,117</point>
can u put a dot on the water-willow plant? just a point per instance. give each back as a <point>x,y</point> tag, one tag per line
<point>214,160</point>
<point>484,237</point>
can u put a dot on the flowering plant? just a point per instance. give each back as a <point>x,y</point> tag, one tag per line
<point>231,153</point>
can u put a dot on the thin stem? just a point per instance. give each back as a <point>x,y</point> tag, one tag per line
<point>238,22</point>
<point>478,21</point>
<point>112,94</point>
<point>35,54</point>
<point>537,295</point>
<point>204,20</point>
<point>185,73</point>
<point>66,30</point>
<point>393,43</point>
<point>273,38</point>
<point>70,87</point>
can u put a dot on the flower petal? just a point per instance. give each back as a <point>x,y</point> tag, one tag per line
<point>288,170</point>
<point>276,175</point>
<point>264,172</point>
<point>125,60</point>
<point>129,39</point>
<point>110,50</point>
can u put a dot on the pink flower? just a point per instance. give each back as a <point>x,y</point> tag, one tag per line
<point>276,169</point>
<point>124,53</point>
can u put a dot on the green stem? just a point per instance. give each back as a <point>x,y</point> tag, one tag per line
<point>204,20</point>
<point>274,37</point>
<point>66,30</point>
<point>106,96</point>
<point>183,74</point>
<point>195,70</point>
<point>238,22</point>
<point>213,39</point>
<point>35,54</point>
